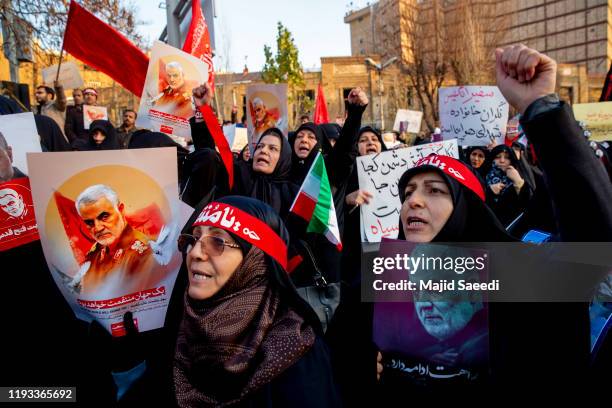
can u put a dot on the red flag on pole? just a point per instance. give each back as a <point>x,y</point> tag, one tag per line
<point>320,113</point>
<point>99,45</point>
<point>197,42</point>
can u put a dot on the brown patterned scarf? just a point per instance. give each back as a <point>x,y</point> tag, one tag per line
<point>237,341</point>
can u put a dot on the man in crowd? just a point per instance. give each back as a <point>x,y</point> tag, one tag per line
<point>127,128</point>
<point>75,127</point>
<point>52,102</point>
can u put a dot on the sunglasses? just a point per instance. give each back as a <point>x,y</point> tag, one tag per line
<point>212,245</point>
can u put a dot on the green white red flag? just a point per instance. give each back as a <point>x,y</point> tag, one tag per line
<point>314,203</point>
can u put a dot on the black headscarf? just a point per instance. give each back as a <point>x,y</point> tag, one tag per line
<point>51,137</point>
<point>330,130</point>
<point>483,169</point>
<point>524,167</point>
<point>300,167</point>
<point>471,220</point>
<point>111,141</point>
<point>8,106</point>
<point>383,146</point>
<point>275,189</point>
<point>143,138</point>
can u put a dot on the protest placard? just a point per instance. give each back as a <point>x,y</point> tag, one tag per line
<point>69,76</point>
<point>412,121</point>
<point>91,113</point>
<point>266,108</point>
<point>17,221</point>
<point>19,130</point>
<point>108,223</point>
<point>379,174</point>
<point>167,102</point>
<point>474,115</point>
<point>597,117</point>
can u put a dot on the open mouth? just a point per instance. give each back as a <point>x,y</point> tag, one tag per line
<point>303,149</point>
<point>262,160</point>
<point>371,149</point>
<point>200,276</point>
<point>415,222</point>
<point>433,319</point>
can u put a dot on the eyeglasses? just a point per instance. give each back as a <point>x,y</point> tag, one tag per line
<point>212,245</point>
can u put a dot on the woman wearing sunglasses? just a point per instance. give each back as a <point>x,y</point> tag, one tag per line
<point>246,337</point>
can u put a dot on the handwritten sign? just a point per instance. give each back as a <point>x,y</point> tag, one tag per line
<point>411,121</point>
<point>598,118</point>
<point>379,174</point>
<point>91,113</point>
<point>69,76</point>
<point>474,115</point>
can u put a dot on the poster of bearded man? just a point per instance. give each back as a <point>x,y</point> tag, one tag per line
<point>108,223</point>
<point>166,104</point>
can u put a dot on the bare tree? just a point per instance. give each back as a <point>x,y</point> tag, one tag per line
<point>449,43</point>
<point>43,22</point>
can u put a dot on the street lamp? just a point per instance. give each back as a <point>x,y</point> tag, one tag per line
<point>379,68</point>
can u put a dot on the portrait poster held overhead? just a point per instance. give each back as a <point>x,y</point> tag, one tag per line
<point>166,103</point>
<point>474,115</point>
<point>19,131</point>
<point>266,108</point>
<point>17,220</point>
<point>91,113</point>
<point>597,117</point>
<point>379,174</point>
<point>108,223</point>
<point>433,337</point>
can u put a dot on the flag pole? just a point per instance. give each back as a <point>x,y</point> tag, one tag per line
<point>59,66</point>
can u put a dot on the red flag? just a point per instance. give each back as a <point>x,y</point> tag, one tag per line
<point>99,45</point>
<point>197,42</point>
<point>220,141</point>
<point>320,113</point>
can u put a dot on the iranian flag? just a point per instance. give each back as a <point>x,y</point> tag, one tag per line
<point>315,204</point>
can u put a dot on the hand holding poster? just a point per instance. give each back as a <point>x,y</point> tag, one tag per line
<point>167,102</point>
<point>126,260</point>
<point>69,75</point>
<point>266,108</point>
<point>91,113</point>
<point>412,121</point>
<point>598,118</point>
<point>474,115</point>
<point>379,174</point>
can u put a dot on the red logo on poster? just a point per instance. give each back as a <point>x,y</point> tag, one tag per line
<point>17,221</point>
<point>166,129</point>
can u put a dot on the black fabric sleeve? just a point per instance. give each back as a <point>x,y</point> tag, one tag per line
<point>69,126</point>
<point>201,135</point>
<point>341,158</point>
<point>577,181</point>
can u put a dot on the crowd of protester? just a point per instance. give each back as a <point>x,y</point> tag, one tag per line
<point>249,337</point>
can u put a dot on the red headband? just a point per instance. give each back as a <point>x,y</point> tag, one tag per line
<point>247,227</point>
<point>455,169</point>
<point>90,90</point>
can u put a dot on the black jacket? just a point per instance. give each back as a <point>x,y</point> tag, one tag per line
<point>74,127</point>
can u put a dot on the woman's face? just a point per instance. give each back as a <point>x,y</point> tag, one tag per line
<point>477,157</point>
<point>98,137</point>
<point>209,273</point>
<point>502,160</point>
<point>427,207</point>
<point>368,143</point>
<point>305,141</point>
<point>267,153</point>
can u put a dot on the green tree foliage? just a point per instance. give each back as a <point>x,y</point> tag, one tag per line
<point>285,67</point>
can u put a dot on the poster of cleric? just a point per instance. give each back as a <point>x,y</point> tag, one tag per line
<point>439,333</point>
<point>108,224</point>
<point>166,104</point>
